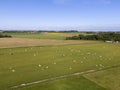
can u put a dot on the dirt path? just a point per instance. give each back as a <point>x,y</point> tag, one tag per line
<point>64,76</point>
<point>52,79</point>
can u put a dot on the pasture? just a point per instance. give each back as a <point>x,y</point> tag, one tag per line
<point>42,35</point>
<point>45,61</point>
<point>19,66</point>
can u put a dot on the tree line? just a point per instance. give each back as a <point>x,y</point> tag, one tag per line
<point>106,36</point>
<point>4,35</point>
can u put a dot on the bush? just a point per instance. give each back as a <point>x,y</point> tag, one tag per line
<point>100,36</point>
<point>3,36</point>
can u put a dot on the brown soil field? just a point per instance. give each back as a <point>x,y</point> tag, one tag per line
<point>24,42</point>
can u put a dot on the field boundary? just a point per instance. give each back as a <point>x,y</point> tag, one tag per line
<point>64,76</point>
<point>52,79</point>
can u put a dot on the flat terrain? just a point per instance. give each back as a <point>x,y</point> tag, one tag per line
<point>74,83</point>
<point>42,35</point>
<point>25,42</point>
<point>45,61</point>
<point>107,78</point>
<point>19,66</point>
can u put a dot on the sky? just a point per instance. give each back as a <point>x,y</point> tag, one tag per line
<point>59,14</point>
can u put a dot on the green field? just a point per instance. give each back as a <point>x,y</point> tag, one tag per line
<point>107,78</point>
<point>29,64</point>
<point>21,65</point>
<point>42,35</point>
<point>74,83</point>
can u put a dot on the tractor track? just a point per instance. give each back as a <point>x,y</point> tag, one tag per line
<point>62,77</point>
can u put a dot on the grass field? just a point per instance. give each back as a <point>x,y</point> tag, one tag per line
<point>74,83</point>
<point>32,57</point>
<point>29,64</point>
<point>107,78</point>
<point>49,35</point>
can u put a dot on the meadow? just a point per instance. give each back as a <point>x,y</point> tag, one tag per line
<point>23,64</point>
<point>42,35</point>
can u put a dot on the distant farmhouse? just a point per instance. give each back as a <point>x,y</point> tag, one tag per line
<point>112,41</point>
<point>109,41</point>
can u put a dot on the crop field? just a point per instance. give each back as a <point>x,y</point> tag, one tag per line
<point>26,42</point>
<point>38,64</point>
<point>42,35</point>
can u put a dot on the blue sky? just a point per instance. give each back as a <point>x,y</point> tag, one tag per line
<point>59,14</point>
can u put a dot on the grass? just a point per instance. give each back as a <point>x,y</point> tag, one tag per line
<point>74,83</point>
<point>107,78</point>
<point>21,65</point>
<point>55,36</point>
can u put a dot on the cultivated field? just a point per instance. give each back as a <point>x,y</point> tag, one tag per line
<point>25,42</point>
<point>58,65</point>
<point>42,35</point>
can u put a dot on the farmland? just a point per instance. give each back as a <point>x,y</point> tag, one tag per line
<point>28,59</point>
<point>42,35</point>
